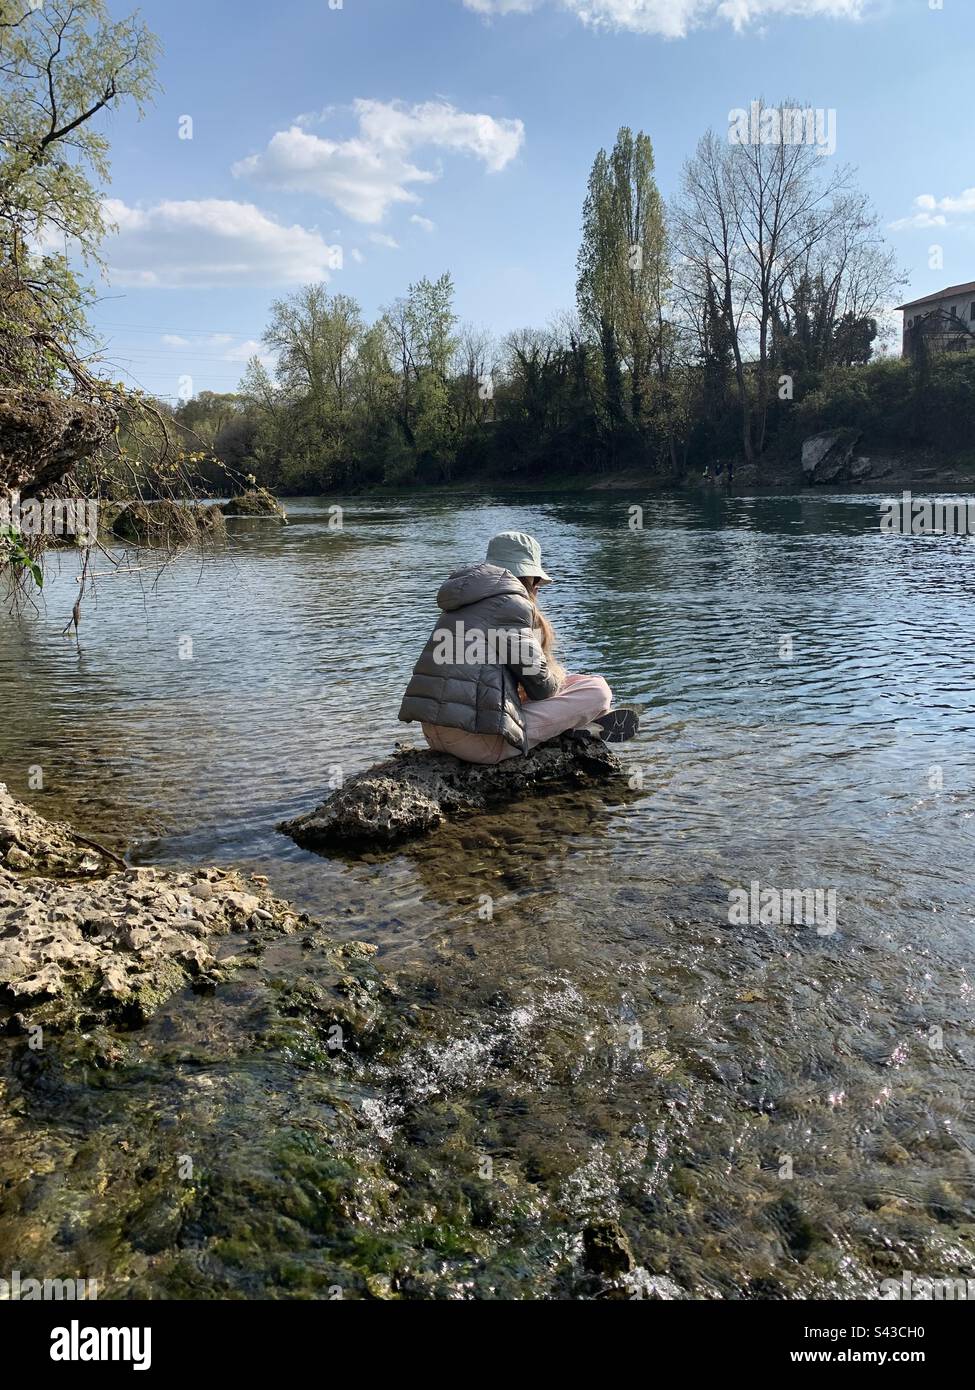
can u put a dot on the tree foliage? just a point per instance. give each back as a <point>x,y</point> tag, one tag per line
<point>62,65</point>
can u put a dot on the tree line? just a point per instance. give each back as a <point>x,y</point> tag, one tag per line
<point>698,329</point>
<point>716,328</point>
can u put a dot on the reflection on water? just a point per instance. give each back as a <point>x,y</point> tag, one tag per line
<point>808,692</point>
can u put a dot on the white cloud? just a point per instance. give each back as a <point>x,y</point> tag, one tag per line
<point>964,205</point>
<point>917,220</point>
<point>670,18</point>
<point>381,239</point>
<point>207,340</point>
<point>391,125</point>
<point>491,7</point>
<point>357,255</point>
<point>210,243</point>
<point>934,212</point>
<point>424,222</point>
<point>369,173</point>
<point>363,182</point>
<point>674,19</point>
<point>244,351</point>
<point>241,351</point>
<point>743,12</point>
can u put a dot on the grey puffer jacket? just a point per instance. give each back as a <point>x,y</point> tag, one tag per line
<point>480,696</point>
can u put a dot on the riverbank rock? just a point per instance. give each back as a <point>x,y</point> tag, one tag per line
<point>606,1249</point>
<point>828,457</point>
<point>44,434</point>
<point>256,502</point>
<point>864,469</point>
<point>114,949</point>
<point>416,790</point>
<point>29,844</point>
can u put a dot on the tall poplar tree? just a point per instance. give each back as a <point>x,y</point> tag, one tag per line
<point>622,267</point>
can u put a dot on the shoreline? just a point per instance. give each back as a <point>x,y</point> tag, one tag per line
<point>252,1110</point>
<point>83,942</point>
<point>894,470</point>
<point>253,1140</point>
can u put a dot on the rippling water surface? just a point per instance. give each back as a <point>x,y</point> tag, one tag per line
<point>808,693</point>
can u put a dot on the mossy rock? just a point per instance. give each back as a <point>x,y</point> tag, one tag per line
<point>255,502</point>
<point>43,435</point>
<point>166,524</point>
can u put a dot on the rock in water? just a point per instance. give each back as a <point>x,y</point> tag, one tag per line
<point>168,524</point>
<point>255,502</point>
<point>606,1249</point>
<point>416,790</point>
<point>827,457</point>
<point>113,949</point>
<point>81,946</point>
<point>30,844</point>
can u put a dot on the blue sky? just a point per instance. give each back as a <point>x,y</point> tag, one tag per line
<point>429,135</point>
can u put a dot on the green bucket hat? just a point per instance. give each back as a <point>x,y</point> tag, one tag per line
<point>521,555</point>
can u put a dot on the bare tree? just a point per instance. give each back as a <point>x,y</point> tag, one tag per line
<point>752,220</point>
<point>475,373</point>
<point>706,226</point>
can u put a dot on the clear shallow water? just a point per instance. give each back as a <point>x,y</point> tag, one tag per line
<point>756,1042</point>
<point>303,639</point>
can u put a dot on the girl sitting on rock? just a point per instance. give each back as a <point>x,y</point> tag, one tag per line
<point>487,685</point>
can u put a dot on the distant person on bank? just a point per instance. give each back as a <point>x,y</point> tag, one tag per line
<point>487,685</point>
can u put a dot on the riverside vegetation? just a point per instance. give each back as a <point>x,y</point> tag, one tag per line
<point>717,331</point>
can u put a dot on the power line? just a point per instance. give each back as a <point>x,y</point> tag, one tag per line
<point>179,332</point>
<point>140,355</point>
<point>156,395</point>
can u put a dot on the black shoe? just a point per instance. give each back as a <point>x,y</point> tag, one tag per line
<point>619,725</point>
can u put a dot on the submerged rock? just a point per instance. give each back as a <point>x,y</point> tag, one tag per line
<point>416,790</point>
<point>606,1249</point>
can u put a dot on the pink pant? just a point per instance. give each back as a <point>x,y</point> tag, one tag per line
<point>581,700</point>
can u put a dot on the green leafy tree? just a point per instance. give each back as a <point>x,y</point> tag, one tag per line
<point>63,64</point>
<point>622,272</point>
<point>421,331</point>
<point>316,337</point>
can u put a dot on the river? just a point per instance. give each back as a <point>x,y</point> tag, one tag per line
<point>769,1110</point>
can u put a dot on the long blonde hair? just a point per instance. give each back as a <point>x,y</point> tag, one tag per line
<point>547,635</point>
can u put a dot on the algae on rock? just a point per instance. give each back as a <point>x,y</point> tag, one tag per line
<point>417,790</point>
